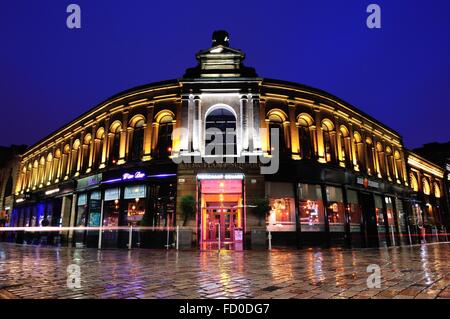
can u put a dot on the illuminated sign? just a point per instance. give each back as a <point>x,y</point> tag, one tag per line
<point>221,176</point>
<point>52,191</point>
<point>367,183</point>
<point>89,181</point>
<point>137,175</point>
<point>127,177</point>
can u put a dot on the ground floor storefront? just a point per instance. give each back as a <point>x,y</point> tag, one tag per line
<point>142,207</point>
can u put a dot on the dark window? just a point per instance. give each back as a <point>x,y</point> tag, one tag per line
<point>164,146</point>
<point>138,142</point>
<point>221,132</point>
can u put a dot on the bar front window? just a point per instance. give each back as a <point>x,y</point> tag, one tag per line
<point>82,210</point>
<point>111,208</point>
<point>380,220</point>
<point>282,209</point>
<point>311,208</point>
<point>355,211</point>
<point>135,202</point>
<point>335,209</point>
<point>95,201</point>
<point>391,218</point>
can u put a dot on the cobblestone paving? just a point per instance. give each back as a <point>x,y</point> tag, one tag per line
<point>407,272</point>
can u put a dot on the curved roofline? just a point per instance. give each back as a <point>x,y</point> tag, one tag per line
<point>293,85</point>
<point>336,99</point>
<point>111,98</point>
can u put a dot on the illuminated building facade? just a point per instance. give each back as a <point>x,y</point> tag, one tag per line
<point>343,178</point>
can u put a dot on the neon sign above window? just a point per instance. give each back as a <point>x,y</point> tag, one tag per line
<point>137,175</point>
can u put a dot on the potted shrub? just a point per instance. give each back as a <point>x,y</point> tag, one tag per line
<point>187,207</point>
<point>260,208</point>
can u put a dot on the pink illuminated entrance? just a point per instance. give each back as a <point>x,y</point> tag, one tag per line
<point>222,212</point>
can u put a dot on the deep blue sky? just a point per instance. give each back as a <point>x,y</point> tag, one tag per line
<point>399,74</point>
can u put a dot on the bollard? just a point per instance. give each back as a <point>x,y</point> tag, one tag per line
<point>167,239</point>
<point>219,236</point>
<point>409,234</point>
<point>130,237</point>
<point>100,233</point>
<point>437,233</point>
<point>270,240</point>
<point>178,227</point>
<point>393,235</point>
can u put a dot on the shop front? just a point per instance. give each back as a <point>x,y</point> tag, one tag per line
<point>46,207</point>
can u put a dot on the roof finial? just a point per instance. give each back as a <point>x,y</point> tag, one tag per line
<point>220,37</point>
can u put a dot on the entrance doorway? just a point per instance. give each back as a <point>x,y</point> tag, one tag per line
<point>221,222</point>
<point>221,214</point>
<point>370,220</point>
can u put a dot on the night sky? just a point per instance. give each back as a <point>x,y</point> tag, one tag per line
<point>399,74</point>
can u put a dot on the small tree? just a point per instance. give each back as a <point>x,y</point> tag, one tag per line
<point>147,219</point>
<point>187,207</point>
<point>261,208</point>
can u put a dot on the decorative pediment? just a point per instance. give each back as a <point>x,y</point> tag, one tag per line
<point>220,61</point>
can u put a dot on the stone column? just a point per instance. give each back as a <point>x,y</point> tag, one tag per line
<point>92,148</point>
<point>123,151</point>
<point>339,147</point>
<point>405,177</point>
<point>265,138</point>
<point>320,145</point>
<point>295,142</point>
<point>243,124</point>
<point>148,133</point>
<point>197,125</point>
<point>69,159</point>
<point>104,153</point>
<point>257,123</point>
<point>353,147</point>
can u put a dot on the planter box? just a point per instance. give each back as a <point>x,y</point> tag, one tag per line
<point>258,237</point>
<point>185,238</point>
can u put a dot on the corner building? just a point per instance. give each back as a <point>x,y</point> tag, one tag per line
<point>343,178</point>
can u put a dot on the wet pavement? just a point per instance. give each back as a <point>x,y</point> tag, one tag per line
<point>421,271</point>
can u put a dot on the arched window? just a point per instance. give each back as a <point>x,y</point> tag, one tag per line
<point>48,169</point>
<point>220,132</point>
<point>165,121</point>
<point>137,138</point>
<point>305,122</point>
<point>359,151</point>
<point>390,162</point>
<point>437,190</point>
<point>276,119</point>
<point>98,147</point>
<point>413,182</point>
<point>346,152</point>
<point>381,159</point>
<point>74,161</point>
<point>328,140</point>
<point>35,178</point>
<point>85,156</point>
<point>398,164</point>
<point>370,156</point>
<point>41,171</point>
<point>57,163</point>
<point>65,160</point>
<point>28,184</point>
<point>426,186</point>
<point>114,153</point>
